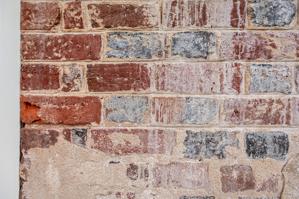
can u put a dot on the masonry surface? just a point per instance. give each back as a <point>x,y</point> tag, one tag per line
<point>159,99</point>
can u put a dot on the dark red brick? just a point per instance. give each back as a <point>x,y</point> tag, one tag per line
<point>40,15</point>
<point>60,110</point>
<point>123,15</point>
<point>61,47</point>
<point>72,14</point>
<point>39,77</point>
<point>118,77</point>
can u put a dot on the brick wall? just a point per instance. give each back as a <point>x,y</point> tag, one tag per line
<point>159,99</point>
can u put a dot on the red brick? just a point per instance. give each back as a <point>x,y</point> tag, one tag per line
<point>60,110</point>
<point>199,78</point>
<point>139,141</point>
<point>259,45</point>
<point>181,175</point>
<point>118,77</point>
<point>123,15</point>
<point>40,15</point>
<point>237,178</point>
<point>36,138</point>
<point>39,77</point>
<point>72,14</point>
<point>190,110</point>
<point>61,47</point>
<point>257,111</point>
<point>198,13</point>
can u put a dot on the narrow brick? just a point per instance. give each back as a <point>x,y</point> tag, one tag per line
<point>271,13</point>
<point>135,45</point>
<point>60,110</point>
<point>181,175</point>
<point>134,141</point>
<point>40,15</point>
<point>118,77</point>
<point>257,111</point>
<point>199,78</point>
<point>193,44</point>
<point>188,110</point>
<point>123,15</point>
<point>255,45</point>
<point>297,78</point>
<point>128,109</point>
<point>72,15</point>
<point>72,78</point>
<point>60,47</point>
<point>237,178</point>
<point>267,145</point>
<point>270,78</point>
<point>203,144</point>
<point>198,13</point>
<point>39,77</point>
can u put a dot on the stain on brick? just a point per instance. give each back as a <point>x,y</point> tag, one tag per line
<point>181,175</point>
<point>139,141</point>
<point>39,77</point>
<point>72,78</point>
<point>118,77</point>
<point>203,144</point>
<point>123,15</point>
<point>237,178</point>
<point>65,47</point>
<point>135,45</point>
<point>73,17</point>
<point>36,138</point>
<point>266,78</point>
<point>135,172</point>
<point>257,111</point>
<point>79,136</point>
<point>126,109</point>
<point>267,145</point>
<point>193,44</point>
<point>207,78</point>
<point>271,13</point>
<point>190,110</point>
<point>132,172</point>
<point>40,15</point>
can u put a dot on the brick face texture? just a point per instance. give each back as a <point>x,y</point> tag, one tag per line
<point>159,99</point>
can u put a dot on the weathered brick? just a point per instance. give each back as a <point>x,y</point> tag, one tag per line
<point>269,184</point>
<point>181,175</point>
<point>257,111</point>
<point>76,136</point>
<point>72,78</point>
<point>204,144</point>
<point>267,145</point>
<point>267,78</point>
<point>190,110</point>
<point>60,110</point>
<point>237,178</point>
<point>291,175</point>
<point>40,15</point>
<point>72,15</point>
<point>193,44</point>
<point>61,47</point>
<point>271,13</point>
<point>135,45</point>
<point>36,138</point>
<point>199,78</point>
<point>123,15</point>
<point>296,77</point>
<point>134,141</point>
<point>197,197</point>
<point>39,77</point>
<point>295,109</point>
<point>118,77</point>
<point>138,172</point>
<point>127,109</point>
<point>256,45</point>
<point>197,13</point>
